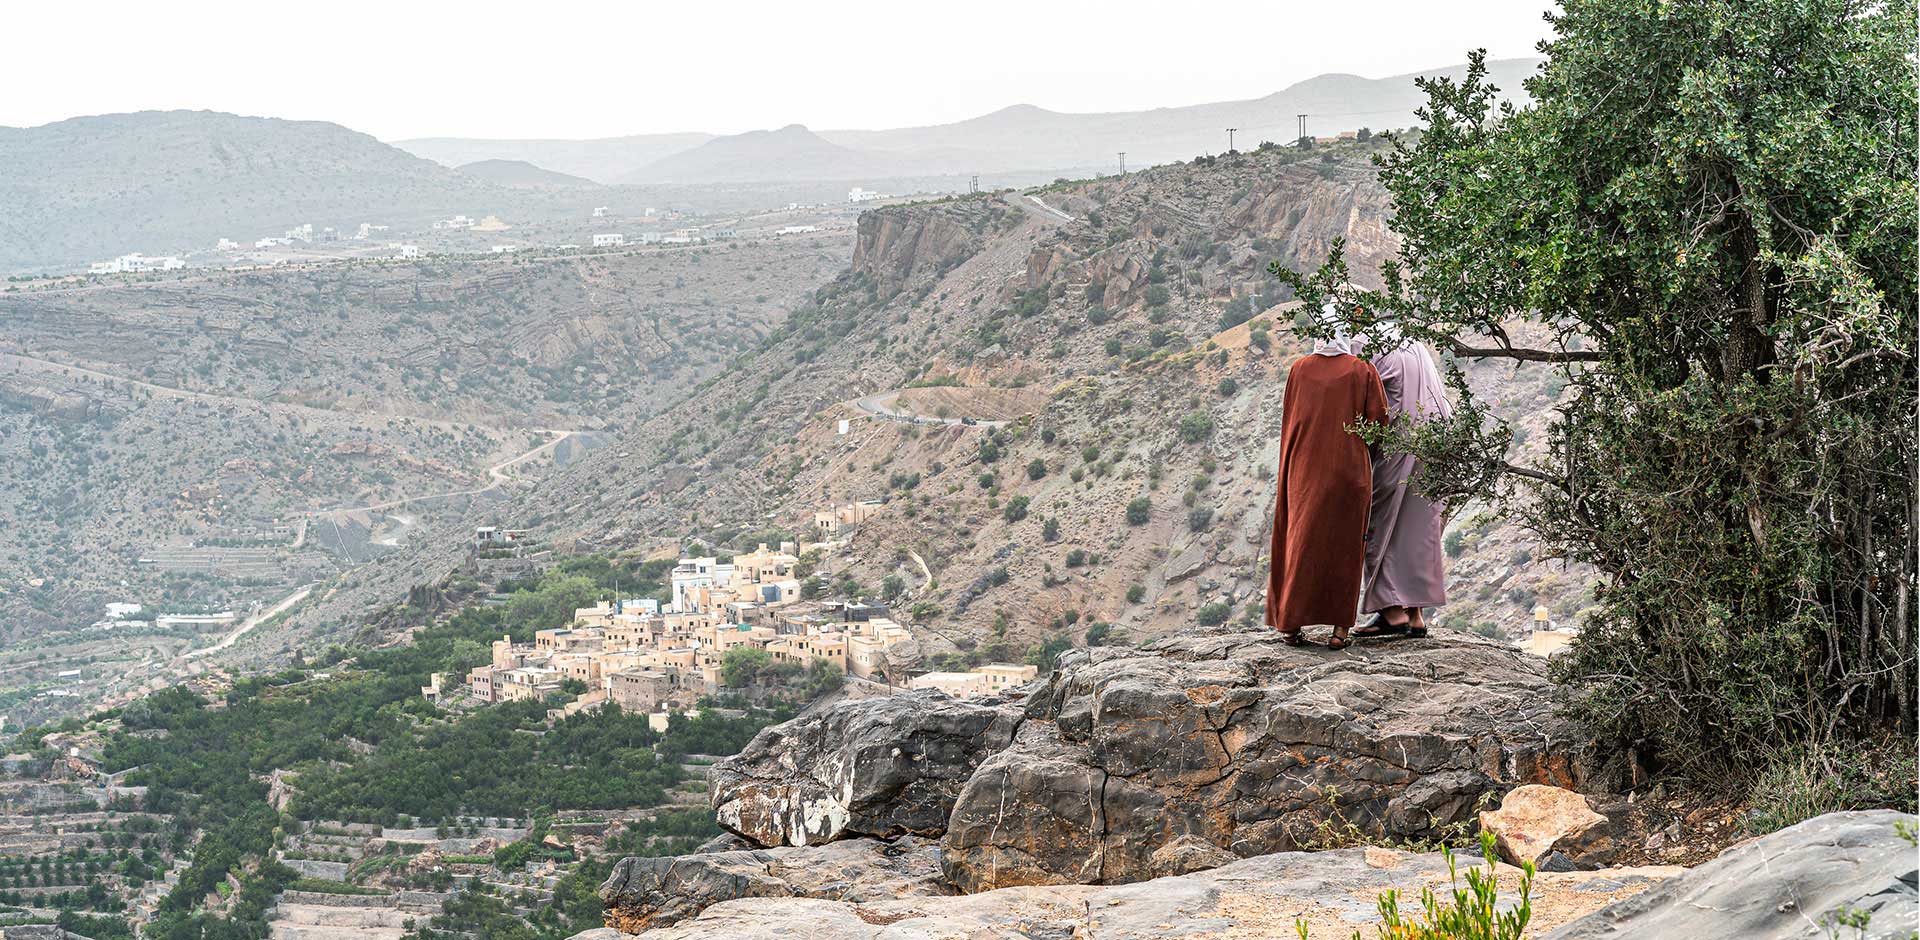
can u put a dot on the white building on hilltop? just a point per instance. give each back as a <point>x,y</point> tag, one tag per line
<point>857,194</point>
<point>609,240</point>
<point>136,263</point>
<point>599,212</point>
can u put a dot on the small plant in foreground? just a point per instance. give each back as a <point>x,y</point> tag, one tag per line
<point>1471,913</point>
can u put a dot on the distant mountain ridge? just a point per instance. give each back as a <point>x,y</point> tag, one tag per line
<point>790,153</point>
<point>1019,138</point>
<point>521,174</point>
<point>166,182</point>
<point>602,160</point>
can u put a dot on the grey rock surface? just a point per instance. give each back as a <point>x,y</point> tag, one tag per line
<point>646,893</point>
<point>1810,880</point>
<point>885,767</point>
<point>1335,892</point>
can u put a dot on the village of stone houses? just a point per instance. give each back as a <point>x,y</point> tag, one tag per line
<point>655,659</point>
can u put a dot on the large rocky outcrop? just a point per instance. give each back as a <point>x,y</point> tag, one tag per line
<point>883,767</point>
<point>1850,875</point>
<point>1237,741</point>
<point>1137,763</point>
<point>893,246</point>
<point>646,893</point>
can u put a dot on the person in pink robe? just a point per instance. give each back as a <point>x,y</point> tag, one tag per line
<point>1405,568</point>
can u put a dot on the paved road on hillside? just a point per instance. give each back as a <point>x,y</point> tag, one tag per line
<point>883,405</point>
<point>247,625</point>
<point>497,474</point>
<point>1050,212</point>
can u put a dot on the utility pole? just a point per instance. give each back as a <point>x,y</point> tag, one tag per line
<point>1230,131</point>
<point>1123,163</point>
<point>973,185</point>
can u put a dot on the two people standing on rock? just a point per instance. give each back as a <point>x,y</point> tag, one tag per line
<point>1349,529</point>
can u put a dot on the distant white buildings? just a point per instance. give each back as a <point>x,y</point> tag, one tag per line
<point>504,249</point>
<point>599,212</point>
<point>368,230</point>
<point>650,238</point>
<point>136,263</point>
<point>121,610</point>
<point>226,244</point>
<point>404,252</point>
<point>608,239</point>
<point>224,618</point>
<point>857,194</point>
<point>301,233</point>
<point>797,229</point>
<point>273,241</point>
<point>457,222</point>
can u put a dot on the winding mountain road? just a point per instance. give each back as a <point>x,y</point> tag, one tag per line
<point>497,475</point>
<point>883,405</point>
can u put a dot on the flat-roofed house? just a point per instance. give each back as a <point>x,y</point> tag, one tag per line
<point>640,691</point>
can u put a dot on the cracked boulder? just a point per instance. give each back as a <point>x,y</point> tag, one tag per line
<point>648,893</point>
<point>1149,762</point>
<point>1839,875</point>
<point>886,766</point>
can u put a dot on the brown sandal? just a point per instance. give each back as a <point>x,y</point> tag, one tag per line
<point>1292,638</point>
<point>1341,638</point>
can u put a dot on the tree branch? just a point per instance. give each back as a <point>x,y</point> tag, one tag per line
<point>1532,474</point>
<point>1463,351</point>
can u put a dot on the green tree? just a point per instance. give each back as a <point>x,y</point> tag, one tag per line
<point>1036,468</point>
<point>742,666</point>
<point>1140,511</point>
<point>1706,222</point>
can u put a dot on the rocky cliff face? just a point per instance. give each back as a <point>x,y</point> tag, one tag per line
<point>896,246</point>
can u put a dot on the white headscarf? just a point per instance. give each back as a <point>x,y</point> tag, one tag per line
<point>1384,337</point>
<point>1340,343</point>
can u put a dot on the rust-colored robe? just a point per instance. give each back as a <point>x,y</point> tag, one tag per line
<point>1325,492</point>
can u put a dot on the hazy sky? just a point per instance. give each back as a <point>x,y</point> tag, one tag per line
<point>408,68</point>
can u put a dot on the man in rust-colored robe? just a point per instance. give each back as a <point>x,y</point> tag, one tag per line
<point>1325,491</point>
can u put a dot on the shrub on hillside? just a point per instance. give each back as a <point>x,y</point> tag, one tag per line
<point>1016,509</point>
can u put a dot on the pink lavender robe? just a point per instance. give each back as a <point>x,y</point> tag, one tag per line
<point>1405,562</point>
